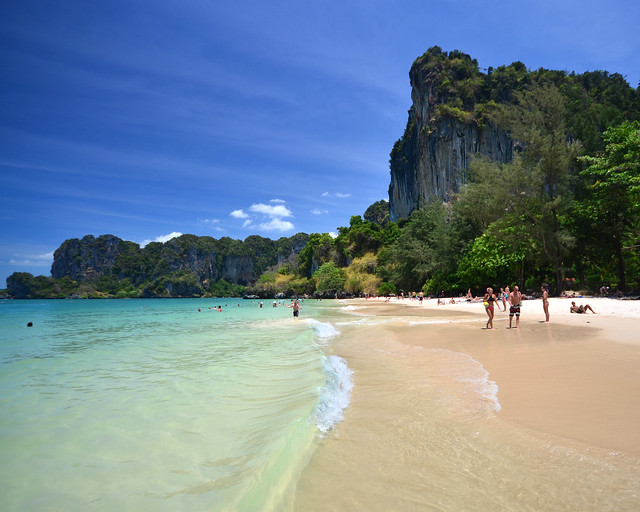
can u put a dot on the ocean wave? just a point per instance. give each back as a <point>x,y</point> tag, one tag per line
<point>352,308</point>
<point>323,330</point>
<point>335,394</point>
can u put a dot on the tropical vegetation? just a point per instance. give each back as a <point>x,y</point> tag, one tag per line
<point>565,210</point>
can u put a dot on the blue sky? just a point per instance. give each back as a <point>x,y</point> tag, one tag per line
<point>143,119</point>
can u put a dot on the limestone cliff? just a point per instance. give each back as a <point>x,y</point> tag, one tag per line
<point>87,258</point>
<point>184,266</point>
<point>443,133</point>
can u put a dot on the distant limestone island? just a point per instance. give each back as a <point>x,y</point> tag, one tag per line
<point>186,266</point>
<point>189,266</point>
<point>508,176</point>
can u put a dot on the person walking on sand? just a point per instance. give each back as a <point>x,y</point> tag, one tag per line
<point>545,301</point>
<point>489,302</point>
<point>515,300</point>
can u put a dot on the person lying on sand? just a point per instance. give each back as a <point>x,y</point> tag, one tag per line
<point>580,309</point>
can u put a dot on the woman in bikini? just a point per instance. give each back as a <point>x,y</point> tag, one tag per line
<point>489,302</point>
<point>545,300</point>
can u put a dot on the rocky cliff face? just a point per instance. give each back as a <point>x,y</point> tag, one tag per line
<point>430,160</point>
<point>206,259</point>
<point>87,258</point>
<point>238,269</point>
<point>186,254</point>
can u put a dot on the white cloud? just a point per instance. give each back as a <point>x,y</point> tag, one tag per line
<point>279,210</point>
<point>333,234</point>
<point>325,194</point>
<point>318,211</point>
<point>211,221</point>
<point>161,238</point>
<point>276,224</point>
<point>239,214</point>
<point>266,217</point>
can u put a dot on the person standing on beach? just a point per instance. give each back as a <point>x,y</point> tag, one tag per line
<point>505,297</point>
<point>545,301</point>
<point>515,300</point>
<point>489,302</point>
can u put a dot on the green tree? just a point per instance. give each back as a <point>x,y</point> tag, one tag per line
<point>329,278</point>
<point>502,202</point>
<point>320,249</point>
<point>361,237</point>
<point>427,250</point>
<point>614,204</point>
<point>538,121</point>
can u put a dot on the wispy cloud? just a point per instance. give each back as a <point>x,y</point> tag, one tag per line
<point>318,211</point>
<point>214,223</point>
<point>339,195</point>
<point>32,260</point>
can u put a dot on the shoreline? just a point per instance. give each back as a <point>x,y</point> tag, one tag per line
<point>575,376</point>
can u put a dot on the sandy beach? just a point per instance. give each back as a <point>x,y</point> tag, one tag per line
<point>577,376</point>
<point>557,428</point>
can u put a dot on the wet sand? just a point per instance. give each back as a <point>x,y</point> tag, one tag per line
<point>577,376</point>
<point>565,436</point>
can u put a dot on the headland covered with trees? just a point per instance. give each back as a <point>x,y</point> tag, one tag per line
<point>564,209</point>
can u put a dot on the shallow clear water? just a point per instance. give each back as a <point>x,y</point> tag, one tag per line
<point>161,404</point>
<point>171,405</point>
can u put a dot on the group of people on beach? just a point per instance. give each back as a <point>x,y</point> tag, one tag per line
<point>515,303</point>
<point>514,298</point>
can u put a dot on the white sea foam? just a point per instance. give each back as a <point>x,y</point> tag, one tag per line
<point>363,321</point>
<point>335,395</point>
<point>481,384</point>
<point>486,388</point>
<point>352,308</point>
<point>323,330</point>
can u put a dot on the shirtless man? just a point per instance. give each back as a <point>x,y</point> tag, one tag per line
<point>296,308</point>
<point>580,309</point>
<point>515,299</point>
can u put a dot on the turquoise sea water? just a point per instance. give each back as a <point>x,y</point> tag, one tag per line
<point>162,404</point>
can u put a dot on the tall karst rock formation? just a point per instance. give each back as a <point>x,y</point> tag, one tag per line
<point>449,122</point>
